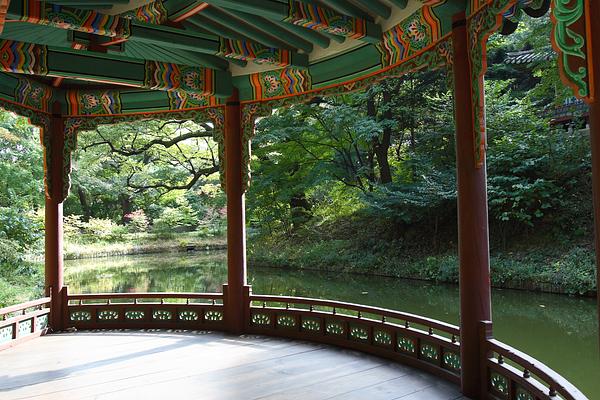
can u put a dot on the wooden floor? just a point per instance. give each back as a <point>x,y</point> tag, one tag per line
<point>203,366</point>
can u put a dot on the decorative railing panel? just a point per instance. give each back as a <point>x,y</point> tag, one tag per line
<point>513,375</point>
<point>23,321</point>
<point>145,310</point>
<point>422,342</point>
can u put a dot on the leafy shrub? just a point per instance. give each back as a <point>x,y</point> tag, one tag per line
<point>19,226</point>
<point>174,219</point>
<point>73,227</point>
<point>103,229</point>
<point>137,221</point>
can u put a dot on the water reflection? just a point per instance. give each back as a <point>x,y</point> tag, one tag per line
<point>558,330</point>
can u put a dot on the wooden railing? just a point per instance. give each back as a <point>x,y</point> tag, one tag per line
<point>408,338</point>
<point>421,342</point>
<point>145,311</point>
<point>23,322</point>
<point>513,375</point>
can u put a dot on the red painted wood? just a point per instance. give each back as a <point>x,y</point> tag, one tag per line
<point>594,8</point>
<point>3,9</point>
<point>236,223</point>
<point>475,297</point>
<point>190,13</point>
<point>54,221</point>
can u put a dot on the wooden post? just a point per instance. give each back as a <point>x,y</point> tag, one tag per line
<point>594,9</point>
<point>473,244</point>
<point>54,220</point>
<point>236,216</point>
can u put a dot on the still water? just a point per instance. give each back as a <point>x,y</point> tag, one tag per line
<point>558,330</point>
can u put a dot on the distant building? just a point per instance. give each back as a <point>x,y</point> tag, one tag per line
<point>573,111</point>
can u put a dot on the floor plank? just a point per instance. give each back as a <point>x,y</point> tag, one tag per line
<point>111,365</point>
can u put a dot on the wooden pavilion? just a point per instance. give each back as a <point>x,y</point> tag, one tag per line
<point>71,65</point>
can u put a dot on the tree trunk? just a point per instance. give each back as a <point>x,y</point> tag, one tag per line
<point>381,147</point>
<point>381,151</point>
<point>125,201</point>
<point>85,205</point>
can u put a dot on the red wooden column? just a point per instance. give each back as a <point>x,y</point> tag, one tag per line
<point>236,217</point>
<point>594,27</point>
<point>473,244</point>
<point>54,220</point>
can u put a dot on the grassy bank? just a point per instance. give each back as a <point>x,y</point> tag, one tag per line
<point>551,268</point>
<point>146,243</point>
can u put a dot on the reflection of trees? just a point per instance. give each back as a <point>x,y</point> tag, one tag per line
<point>163,273</point>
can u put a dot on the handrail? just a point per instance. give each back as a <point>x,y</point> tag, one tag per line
<point>555,382</point>
<point>417,319</point>
<point>24,306</point>
<point>145,295</point>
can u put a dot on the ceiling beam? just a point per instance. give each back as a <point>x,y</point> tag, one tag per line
<point>189,13</point>
<point>375,7</point>
<point>269,27</point>
<point>311,35</point>
<point>399,3</point>
<point>341,6</point>
<point>186,40</point>
<point>309,14</point>
<point>31,59</point>
<point>230,21</point>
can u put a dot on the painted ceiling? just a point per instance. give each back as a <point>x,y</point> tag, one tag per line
<point>98,57</point>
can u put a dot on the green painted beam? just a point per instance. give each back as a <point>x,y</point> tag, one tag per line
<point>342,7</point>
<point>175,38</point>
<point>399,3</point>
<point>270,28</point>
<point>232,22</point>
<point>376,7</point>
<point>200,21</point>
<point>267,8</point>
<point>107,68</point>
<point>72,3</point>
<point>308,34</point>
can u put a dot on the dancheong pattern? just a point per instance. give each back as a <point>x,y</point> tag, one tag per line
<point>97,102</point>
<point>167,76</point>
<point>280,82</point>
<point>179,99</point>
<point>23,58</point>
<point>409,37</point>
<point>89,21</point>
<point>569,40</point>
<point>152,13</point>
<point>251,51</point>
<point>480,26</point>
<point>314,17</point>
<point>33,94</point>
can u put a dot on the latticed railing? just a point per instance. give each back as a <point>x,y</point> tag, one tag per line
<point>23,321</point>
<point>513,375</point>
<point>408,338</point>
<point>426,343</point>
<point>145,310</point>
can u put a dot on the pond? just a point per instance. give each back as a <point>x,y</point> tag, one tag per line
<point>558,330</point>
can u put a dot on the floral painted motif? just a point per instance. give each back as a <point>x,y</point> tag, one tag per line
<point>411,36</point>
<point>96,102</point>
<point>33,94</point>
<point>168,76</point>
<point>281,82</point>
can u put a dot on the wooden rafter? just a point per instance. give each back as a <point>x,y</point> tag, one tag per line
<point>31,59</point>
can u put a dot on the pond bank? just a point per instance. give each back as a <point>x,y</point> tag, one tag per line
<point>560,271</point>
<point>175,244</point>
